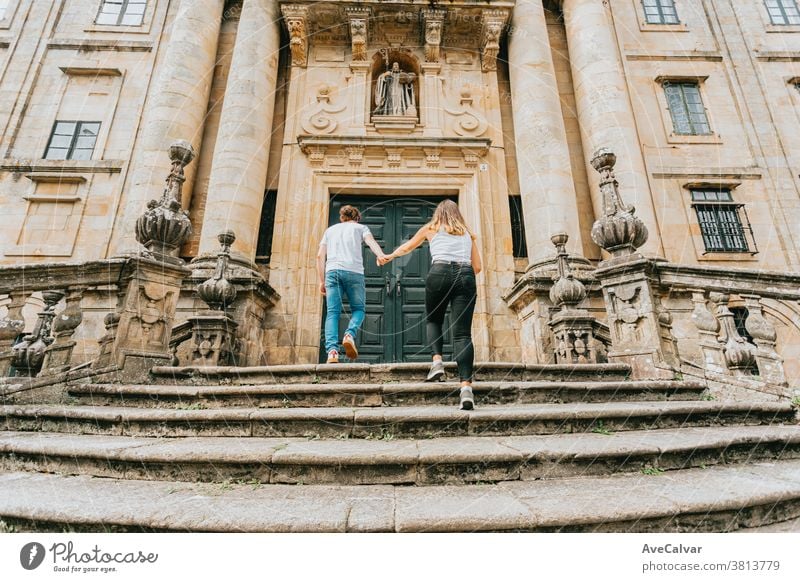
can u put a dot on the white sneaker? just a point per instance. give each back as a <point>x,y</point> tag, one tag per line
<point>467,398</point>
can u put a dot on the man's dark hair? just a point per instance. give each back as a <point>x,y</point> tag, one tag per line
<point>347,213</point>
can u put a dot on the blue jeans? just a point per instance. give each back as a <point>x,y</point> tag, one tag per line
<point>339,283</point>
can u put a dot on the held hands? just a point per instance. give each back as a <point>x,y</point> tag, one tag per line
<point>384,259</point>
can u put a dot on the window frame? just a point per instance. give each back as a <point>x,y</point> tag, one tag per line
<point>9,14</point>
<point>662,15</point>
<point>122,13</point>
<point>73,141</point>
<point>715,208</point>
<point>784,15</point>
<point>683,84</point>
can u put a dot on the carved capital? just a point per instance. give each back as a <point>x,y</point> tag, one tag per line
<point>296,18</point>
<point>359,31</point>
<point>434,21</point>
<point>492,23</point>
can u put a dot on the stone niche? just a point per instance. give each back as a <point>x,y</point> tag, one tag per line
<point>382,61</point>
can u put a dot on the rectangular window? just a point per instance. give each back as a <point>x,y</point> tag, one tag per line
<point>3,8</point>
<point>660,12</point>
<point>267,228</point>
<point>518,241</point>
<point>686,108</point>
<point>783,12</point>
<point>721,222</point>
<point>121,12</point>
<point>72,140</point>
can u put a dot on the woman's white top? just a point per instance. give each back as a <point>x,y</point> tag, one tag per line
<point>451,247</point>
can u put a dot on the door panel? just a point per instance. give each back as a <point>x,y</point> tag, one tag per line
<point>394,329</point>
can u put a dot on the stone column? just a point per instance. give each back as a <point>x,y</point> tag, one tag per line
<point>604,107</point>
<point>547,186</point>
<point>176,109</point>
<point>239,171</point>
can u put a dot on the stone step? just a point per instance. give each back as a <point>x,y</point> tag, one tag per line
<point>715,499</point>
<point>373,395</point>
<point>379,373</point>
<point>417,462</point>
<point>390,422</point>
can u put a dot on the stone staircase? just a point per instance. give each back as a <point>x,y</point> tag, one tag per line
<point>354,447</point>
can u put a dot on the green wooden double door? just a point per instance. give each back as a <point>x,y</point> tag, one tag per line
<point>394,329</point>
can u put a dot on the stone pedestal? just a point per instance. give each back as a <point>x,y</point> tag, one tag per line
<point>770,363</point>
<point>138,334</point>
<point>547,187</point>
<point>176,109</point>
<point>213,339</point>
<point>634,320</point>
<point>239,171</point>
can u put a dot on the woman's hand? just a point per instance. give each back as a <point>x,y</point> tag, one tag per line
<point>322,289</point>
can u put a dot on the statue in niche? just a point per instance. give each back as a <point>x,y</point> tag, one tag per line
<point>394,93</point>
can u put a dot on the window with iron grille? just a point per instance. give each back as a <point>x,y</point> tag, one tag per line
<point>266,229</point>
<point>72,140</point>
<point>660,12</point>
<point>686,108</point>
<point>518,241</point>
<point>723,223</point>
<point>121,12</point>
<point>783,12</point>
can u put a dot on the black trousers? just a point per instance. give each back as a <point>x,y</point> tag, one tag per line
<point>452,284</point>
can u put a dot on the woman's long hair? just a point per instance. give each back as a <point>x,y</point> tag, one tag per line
<point>448,215</point>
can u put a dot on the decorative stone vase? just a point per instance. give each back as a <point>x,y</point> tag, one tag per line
<point>619,231</point>
<point>165,226</point>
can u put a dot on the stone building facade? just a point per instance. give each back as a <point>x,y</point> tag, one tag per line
<point>509,102</point>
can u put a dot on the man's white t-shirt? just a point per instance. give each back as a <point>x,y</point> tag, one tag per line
<point>343,242</point>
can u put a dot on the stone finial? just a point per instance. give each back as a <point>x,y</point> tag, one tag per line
<point>165,226</point>
<point>28,355</point>
<point>218,292</point>
<point>567,292</point>
<point>619,231</point>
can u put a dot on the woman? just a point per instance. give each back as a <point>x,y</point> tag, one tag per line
<point>455,261</point>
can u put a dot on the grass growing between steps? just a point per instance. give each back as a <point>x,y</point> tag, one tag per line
<point>652,471</point>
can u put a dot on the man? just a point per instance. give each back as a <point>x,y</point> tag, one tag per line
<point>341,272</point>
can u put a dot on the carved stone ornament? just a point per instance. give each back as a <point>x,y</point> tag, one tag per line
<point>359,22</point>
<point>165,226</point>
<point>567,292</point>
<point>434,20</point>
<point>619,231</point>
<point>394,93</point>
<point>28,355</point>
<point>468,120</point>
<point>740,355</point>
<point>296,24</point>
<point>491,30</point>
<point>217,291</point>
<point>320,120</point>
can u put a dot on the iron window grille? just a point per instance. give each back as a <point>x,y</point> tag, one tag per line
<point>724,224</point>
<point>686,108</point>
<point>660,12</point>
<point>783,12</point>
<point>518,241</point>
<point>121,12</point>
<point>72,140</point>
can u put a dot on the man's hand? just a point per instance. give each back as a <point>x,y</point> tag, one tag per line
<point>322,289</point>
